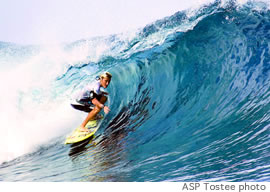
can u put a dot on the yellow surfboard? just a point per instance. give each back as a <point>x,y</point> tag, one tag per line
<point>77,135</point>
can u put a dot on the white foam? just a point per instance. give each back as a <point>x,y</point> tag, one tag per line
<point>33,111</point>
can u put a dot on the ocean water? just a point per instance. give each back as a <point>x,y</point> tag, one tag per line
<point>189,101</point>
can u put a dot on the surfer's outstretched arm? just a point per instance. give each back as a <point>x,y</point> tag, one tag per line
<point>100,104</point>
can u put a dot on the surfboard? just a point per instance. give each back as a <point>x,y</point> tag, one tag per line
<point>78,136</point>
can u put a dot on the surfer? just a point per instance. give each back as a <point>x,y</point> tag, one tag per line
<point>91,99</point>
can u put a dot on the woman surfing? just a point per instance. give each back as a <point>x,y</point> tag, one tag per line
<point>91,99</point>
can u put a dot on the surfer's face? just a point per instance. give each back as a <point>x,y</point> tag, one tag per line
<point>105,81</point>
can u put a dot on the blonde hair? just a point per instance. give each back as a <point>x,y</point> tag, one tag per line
<point>106,74</point>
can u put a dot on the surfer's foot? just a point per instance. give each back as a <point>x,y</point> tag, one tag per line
<point>83,129</point>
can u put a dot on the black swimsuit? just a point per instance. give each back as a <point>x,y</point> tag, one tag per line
<point>84,103</point>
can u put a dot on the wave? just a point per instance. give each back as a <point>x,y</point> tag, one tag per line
<point>189,94</point>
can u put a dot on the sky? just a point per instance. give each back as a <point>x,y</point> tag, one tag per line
<point>53,21</point>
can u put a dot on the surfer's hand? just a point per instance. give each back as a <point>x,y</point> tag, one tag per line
<point>106,109</point>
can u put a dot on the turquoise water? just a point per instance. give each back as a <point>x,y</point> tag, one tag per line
<point>189,101</point>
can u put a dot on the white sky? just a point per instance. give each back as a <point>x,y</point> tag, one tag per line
<point>48,21</point>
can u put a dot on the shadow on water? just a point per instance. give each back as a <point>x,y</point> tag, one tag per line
<point>78,148</point>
